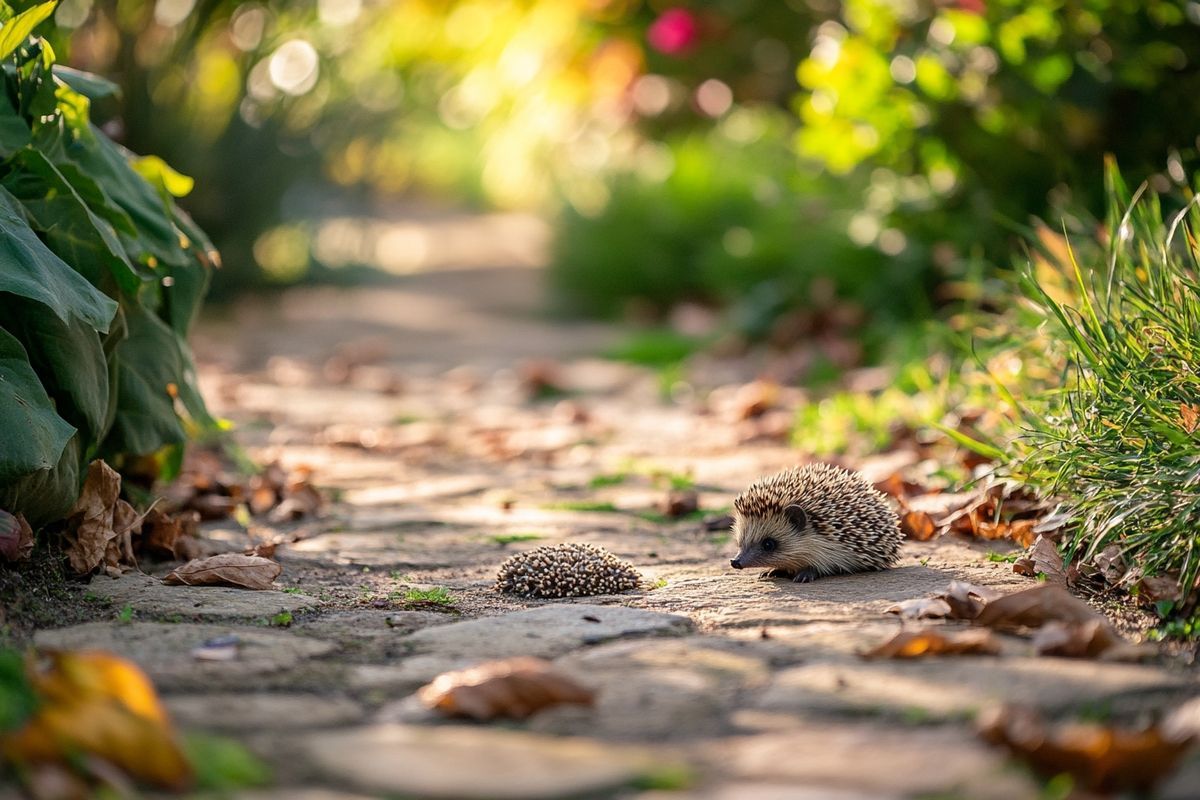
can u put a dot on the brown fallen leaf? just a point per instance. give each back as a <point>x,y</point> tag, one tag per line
<point>1047,561</point>
<point>1019,530</point>
<point>754,399</point>
<point>1159,587</point>
<point>1111,564</point>
<point>90,527</point>
<point>1189,417</point>
<point>966,600</point>
<point>227,569</point>
<point>917,525</point>
<point>263,550</point>
<point>1100,758</point>
<point>1033,608</point>
<point>513,687</point>
<point>921,608</point>
<point>679,503</point>
<point>16,537</point>
<point>93,705</point>
<point>930,642</point>
<point>1076,640</point>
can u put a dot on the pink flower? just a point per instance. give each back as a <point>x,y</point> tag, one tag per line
<point>674,32</point>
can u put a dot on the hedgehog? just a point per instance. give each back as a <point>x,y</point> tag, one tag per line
<point>566,570</point>
<point>813,521</point>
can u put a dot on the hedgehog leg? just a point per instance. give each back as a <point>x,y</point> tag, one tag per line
<point>806,575</point>
<point>775,573</point>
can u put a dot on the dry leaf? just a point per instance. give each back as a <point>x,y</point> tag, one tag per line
<point>930,642</point>
<point>1189,417</point>
<point>921,608</point>
<point>513,687</point>
<point>1159,587</point>
<point>90,527</point>
<point>1080,640</point>
<point>966,600</point>
<point>917,525</point>
<point>1047,561</point>
<point>680,502</point>
<point>97,705</point>
<point>1035,607</point>
<point>263,550</point>
<point>1101,759</point>
<point>943,506</point>
<point>227,569</point>
<point>16,537</point>
<point>754,399</point>
<point>1019,530</point>
<point>1111,564</point>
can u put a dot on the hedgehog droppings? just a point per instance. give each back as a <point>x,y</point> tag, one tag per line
<point>566,570</point>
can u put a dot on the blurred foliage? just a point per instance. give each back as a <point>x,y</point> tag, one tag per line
<point>904,133</point>
<point>995,107</point>
<point>101,275</point>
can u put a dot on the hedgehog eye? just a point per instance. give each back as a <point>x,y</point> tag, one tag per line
<point>769,544</point>
<point>797,517</point>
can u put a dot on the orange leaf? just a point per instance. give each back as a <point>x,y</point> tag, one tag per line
<point>1189,417</point>
<point>95,704</point>
<point>917,525</point>
<point>916,644</point>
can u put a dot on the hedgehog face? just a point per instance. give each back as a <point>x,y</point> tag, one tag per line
<point>780,539</point>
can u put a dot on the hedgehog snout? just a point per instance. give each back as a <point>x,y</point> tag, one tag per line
<point>736,563</point>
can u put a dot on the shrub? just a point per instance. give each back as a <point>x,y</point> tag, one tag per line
<point>732,223</point>
<point>101,275</point>
<point>1121,438</point>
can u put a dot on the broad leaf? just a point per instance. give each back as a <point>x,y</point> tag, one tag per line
<point>70,360</point>
<point>93,87</point>
<point>149,372</point>
<point>29,269</point>
<point>77,235</point>
<point>33,434</point>
<point>48,494</point>
<point>14,32</point>
<point>14,133</point>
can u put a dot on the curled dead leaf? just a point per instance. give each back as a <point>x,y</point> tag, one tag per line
<point>90,527</point>
<point>966,600</point>
<point>513,687</point>
<point>1111,564</point>
<point>96,705</point>
<point>1033,608</point>
<point>1189,417</point>
<point>227,569</point>
<point>1076,640</point>
<point>1047,561</point>
<point>917,525</point>
<point>16,537</point>
<point>1159,587</point>
<point>921,608</point>
<point>1100,758</point>
<point>930,642</point>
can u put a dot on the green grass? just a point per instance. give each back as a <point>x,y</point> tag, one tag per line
<point>509,538</point>
<point>292,590</point>
<point>1003,558</point>
<point>282,620</point>
<point>222,764</point>
<point>1118,438</point>
<point>582,505</point>
<point>438,596</point>
<point>125,615</point>
<point>611,479</point>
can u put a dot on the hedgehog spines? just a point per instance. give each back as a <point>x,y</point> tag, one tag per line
<point>570,569</point>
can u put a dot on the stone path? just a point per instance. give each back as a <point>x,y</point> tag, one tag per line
<point>411,404</point>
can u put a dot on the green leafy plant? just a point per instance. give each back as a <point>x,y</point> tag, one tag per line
<point>1121,438</point>
<point>101,275</point>
<point>437,596</point>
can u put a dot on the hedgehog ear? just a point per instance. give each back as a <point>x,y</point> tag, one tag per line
<point>797,516</point>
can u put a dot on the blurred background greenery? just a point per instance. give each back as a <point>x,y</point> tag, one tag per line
<point>774,159</point>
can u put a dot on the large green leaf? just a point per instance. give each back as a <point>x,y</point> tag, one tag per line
<point>107,163</point>
<point>33,434</point>
<point>149,369</point>
<point>14,132</point>
<point>48,494</point>
<point>78,236</point>
<point>93,87</point>
<point>29,269</point>
<point>14,32</point>
<point>69,359</point>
